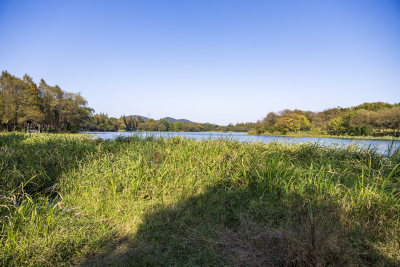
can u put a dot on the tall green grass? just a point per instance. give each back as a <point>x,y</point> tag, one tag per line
<point>68,199</point>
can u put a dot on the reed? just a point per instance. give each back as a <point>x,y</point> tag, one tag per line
<point>70,199</point>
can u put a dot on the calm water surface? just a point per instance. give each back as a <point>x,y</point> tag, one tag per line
<point>382,146</point>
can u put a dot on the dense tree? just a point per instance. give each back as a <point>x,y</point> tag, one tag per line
<point>292,122</point>
<point>10,100</point>
<point>163,126</point>
<point>31,109</point>
<point>337,126</point>
<point>23,104</point>
<point>369,118</point>
<point>122,123</point>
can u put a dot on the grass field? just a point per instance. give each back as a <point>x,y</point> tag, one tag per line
<point>70,200</point>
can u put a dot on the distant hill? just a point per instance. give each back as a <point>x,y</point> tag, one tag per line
<point>169,119</point>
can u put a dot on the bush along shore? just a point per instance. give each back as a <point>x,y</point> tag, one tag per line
<point>316,135</point>
<point>73,200</point>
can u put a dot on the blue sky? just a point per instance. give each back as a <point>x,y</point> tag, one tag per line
<point>207,61</point>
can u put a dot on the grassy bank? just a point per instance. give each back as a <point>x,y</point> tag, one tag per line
<point>311,134</point>
<point>68,199</point>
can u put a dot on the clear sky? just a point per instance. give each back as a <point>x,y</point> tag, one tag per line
<point>207,61</point>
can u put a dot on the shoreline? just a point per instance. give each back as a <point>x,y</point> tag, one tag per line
<point>386,138</point>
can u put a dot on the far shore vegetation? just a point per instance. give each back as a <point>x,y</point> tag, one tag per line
<point>26,106</point>
<point>316,135</point>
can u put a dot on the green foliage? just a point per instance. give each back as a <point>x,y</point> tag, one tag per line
<point>24,105</point>
<point>337,126</point>
<point>101,122</point>
<point>376,106</point>
<point>376,119</point>
<point>292,122</point>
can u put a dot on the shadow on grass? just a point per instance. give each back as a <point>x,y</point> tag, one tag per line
<point>230,226</point>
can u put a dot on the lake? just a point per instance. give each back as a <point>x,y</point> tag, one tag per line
<point>382,146</point>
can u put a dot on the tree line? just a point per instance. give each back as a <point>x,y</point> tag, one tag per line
<point>376,119</point>
<point>25,105</point>
<point>101,122</point>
